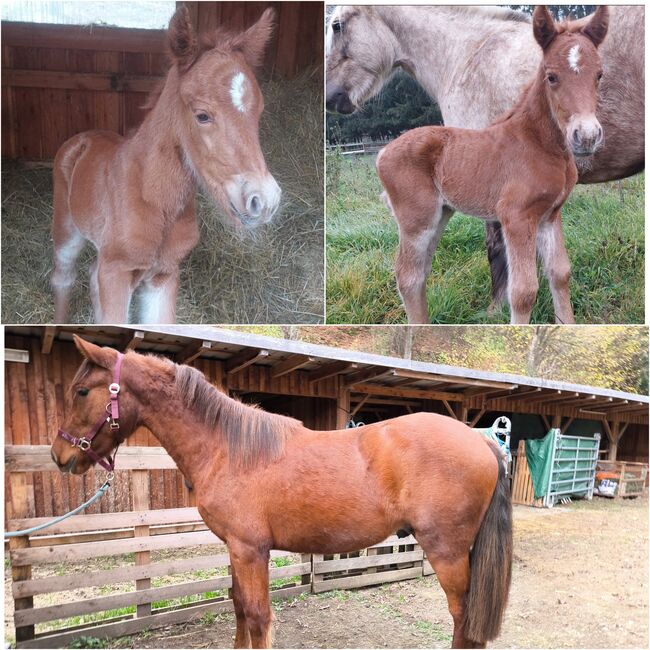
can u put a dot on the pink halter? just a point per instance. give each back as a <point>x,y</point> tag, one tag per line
<point>112,408</point>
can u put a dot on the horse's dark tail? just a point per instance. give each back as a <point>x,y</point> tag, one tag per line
<point>491,564</point>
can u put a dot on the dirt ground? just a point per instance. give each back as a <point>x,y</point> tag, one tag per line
<point>580,580</point>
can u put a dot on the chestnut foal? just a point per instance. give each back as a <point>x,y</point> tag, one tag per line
<point>264,481</point>
<point>519,171</point>
<point>133,197</point>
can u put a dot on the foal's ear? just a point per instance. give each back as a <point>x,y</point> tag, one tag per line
<point>596,29</point>
<point>182,39</point>
<point>255,39</point>
<point>103,357</point>
<point>543,26</point>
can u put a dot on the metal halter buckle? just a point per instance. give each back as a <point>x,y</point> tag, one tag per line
<point>83,444</point>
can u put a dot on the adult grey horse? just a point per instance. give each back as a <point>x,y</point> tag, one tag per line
<point>474,62</point>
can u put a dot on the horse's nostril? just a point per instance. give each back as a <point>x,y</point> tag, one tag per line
<point>576,136</point>
<point>254,206</point>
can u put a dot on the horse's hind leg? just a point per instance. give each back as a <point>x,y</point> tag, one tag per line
<point>552,250</point>
<point>68,244</point>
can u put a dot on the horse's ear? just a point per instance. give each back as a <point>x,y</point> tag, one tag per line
<point>253,42</point>
<point>181,38</point>
<point>104,357</point>
<point>596,29</point>
<point>543,26</point>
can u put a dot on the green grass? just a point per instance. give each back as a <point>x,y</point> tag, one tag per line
<point>604,232</point>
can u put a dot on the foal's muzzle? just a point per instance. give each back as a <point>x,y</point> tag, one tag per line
<point>253,198</point>
<point>338,100</point>
<point>585,135</point>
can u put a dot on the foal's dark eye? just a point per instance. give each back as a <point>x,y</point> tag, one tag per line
<point>336,26</point>
<point>202,118</point>
<point>552,79</point>
<point>82,392</point>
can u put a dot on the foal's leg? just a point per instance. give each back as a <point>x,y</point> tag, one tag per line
<point>114,288</point>
<point>418,239</point>
<point>242,635</point>
<point>251,566</point>
<point>158,298</point>
<point>68,244</point>
<point>520,232</point>
<point>551,248</point>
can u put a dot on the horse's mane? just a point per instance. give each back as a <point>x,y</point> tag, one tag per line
<point>496,13</point>
<point>253,436</point>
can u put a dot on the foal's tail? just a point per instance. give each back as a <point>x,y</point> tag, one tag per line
<point>491,564</point>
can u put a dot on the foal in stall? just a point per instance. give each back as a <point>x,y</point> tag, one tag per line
<point>518,171</point>
<point>264,481</point>
<point>133,197</point>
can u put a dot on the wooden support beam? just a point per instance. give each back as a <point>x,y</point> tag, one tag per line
<point>477,417</point>
<point>478,390</point>
<point>47,339</point>
<point>523,395</point>
<point>427,376</point>
<point>415,393</point>
<point>545,397</point>
<point>294,362</point>
<point>582,400</point>
<point>358,407</point>
<point>130,340</point>
<point>366,374</point>
<point>545,422</point>
<point>566,425</point>
<point>383,401</point>
<point>449,409</point>
<point>342,405</point>
<point>329,370</point>
<point>244,359</point>
<point>500,393</point>
<point>192,351</point>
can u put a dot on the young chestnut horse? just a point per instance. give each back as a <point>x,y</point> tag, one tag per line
<point>264,481</point>
<point>133,197</point>
<point>519,171</point>
<point>474,63</point>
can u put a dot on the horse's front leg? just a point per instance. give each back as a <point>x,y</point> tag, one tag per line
<point>242,635</point>
<point>552,250</point>
<point>250,565</point>
<point>520,232</point>
<point>158,298</point>
<point>114,284</point>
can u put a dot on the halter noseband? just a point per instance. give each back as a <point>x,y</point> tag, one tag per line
<point>113,410</point>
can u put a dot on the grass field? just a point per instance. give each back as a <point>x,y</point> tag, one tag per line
<point>604,232</point>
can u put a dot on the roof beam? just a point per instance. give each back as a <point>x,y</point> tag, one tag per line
<point>427,376</point>
<point>244,359</point>
<point>515,396</point>
<point>545,397</point>
<point>366,374</point>
<point>415,393</point>
<point>294,362</point>
<point>192,351</point>
<point>329,370</point>
<point>498,394</point>
<point>130,340</point>
<point>47,339</point>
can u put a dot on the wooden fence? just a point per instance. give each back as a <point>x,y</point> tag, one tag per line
<point>59,80</point>
<point>146,567</point>
<point>630,477</point>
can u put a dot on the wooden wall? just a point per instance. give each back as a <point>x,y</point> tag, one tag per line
<point>59,80</point>
<point>35,403</point>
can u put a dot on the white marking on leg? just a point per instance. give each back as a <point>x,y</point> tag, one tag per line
<point>574,58</point>
<point>65,258</point>
<point>237,88</point>
<point>154,304</point>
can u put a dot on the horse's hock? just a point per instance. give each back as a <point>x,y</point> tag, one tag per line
<point>140,558</point>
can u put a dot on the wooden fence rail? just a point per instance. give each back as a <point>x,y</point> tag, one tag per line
<point>146,578</point>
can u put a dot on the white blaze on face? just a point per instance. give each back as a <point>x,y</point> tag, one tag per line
<point>574,58</point>
<point>237,89</point>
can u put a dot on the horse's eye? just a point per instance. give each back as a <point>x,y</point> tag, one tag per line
<point>202,118</point>
<point>82,392</point>
<point>336,26</point>
<point>552,79</point>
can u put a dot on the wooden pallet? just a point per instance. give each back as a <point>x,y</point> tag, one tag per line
<point>522,483</point>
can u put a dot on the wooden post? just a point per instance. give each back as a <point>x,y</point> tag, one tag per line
<point>614,435</point>
<point>342,405</point>
<point>20,510</point>
<point>140,486</point>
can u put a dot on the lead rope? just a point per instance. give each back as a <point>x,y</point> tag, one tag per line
<point>98,495</point>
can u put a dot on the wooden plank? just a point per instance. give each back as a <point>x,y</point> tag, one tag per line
<point>140,490</point>
<point>53,554</point>
<point>193,351</point>
<point>244,359</point>
<point>366,579</point>
<point>366,374</point>
<point>34,458</point>
<point>365,561</point>
<point>131,340</point>
<point>330,370</point>
<point>451,379</point>
<point>294,362</point>
<point>47,338</point>
<point>342,405</point>
<point>373,389</point>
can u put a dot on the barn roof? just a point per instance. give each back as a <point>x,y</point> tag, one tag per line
<point>372,374</point>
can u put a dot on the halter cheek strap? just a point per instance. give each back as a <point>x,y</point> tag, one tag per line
<point>112,408</point>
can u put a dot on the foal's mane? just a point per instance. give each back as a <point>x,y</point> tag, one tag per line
<point>253,436</point>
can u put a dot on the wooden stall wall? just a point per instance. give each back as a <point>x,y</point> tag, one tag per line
<point>59,80</point>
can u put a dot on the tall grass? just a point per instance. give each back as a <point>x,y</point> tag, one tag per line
<point>603,227</point>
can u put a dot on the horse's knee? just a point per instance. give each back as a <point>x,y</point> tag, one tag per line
<point>560,276</point>
<point>258,617</point>
<point>523,295</point>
